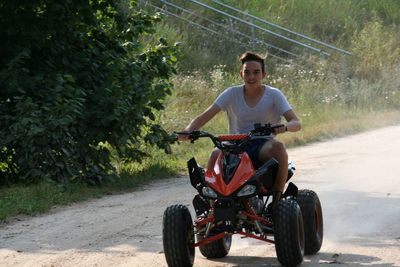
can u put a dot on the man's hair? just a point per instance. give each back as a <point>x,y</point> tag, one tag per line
<point>252,56</point>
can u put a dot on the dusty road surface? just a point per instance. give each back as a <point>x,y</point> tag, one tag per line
<point>357,179</point>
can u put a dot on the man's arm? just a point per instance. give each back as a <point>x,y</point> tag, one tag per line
<point>200,120</point>
<point>293,123</point>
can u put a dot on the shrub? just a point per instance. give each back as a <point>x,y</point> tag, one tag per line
<point>75,85</point>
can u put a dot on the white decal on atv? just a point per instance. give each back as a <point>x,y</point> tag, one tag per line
<point>210,179</point>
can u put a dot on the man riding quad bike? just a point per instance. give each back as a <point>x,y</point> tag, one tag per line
<point>234,198</point>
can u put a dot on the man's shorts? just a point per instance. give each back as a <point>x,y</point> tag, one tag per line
<point>253,150</point>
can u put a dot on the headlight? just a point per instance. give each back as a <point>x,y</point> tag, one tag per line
<point>246,190</point>
<point>208,192</point>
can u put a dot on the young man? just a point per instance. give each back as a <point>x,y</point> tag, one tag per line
<point>247,105</point>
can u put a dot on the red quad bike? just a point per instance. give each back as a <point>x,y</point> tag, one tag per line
<point>233,198</point>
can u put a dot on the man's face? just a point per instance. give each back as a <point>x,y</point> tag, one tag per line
<point>252,73</point>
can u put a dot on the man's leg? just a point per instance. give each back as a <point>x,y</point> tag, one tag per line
<point>275,149</point>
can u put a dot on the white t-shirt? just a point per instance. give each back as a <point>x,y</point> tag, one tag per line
<point>242,118</point>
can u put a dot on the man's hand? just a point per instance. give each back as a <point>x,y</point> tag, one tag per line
<point>183,137</point>
<point>281,129</point>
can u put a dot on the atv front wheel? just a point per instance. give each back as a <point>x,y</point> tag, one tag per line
<point>217,249</point>
<point>313,222</point>
<point>288,232</point>
<point>178,236</point>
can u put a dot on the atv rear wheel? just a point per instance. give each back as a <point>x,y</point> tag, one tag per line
<point>178,236</point>
<point>217,249</point>
<point>313,221</point>
<point>288,232</point>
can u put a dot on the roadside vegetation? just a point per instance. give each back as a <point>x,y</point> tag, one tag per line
<point>333,97</point>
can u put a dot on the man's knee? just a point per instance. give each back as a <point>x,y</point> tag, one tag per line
<point>273,149</point>
<point>280,150</point>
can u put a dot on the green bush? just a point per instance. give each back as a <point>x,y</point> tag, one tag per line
<point>76,84</point>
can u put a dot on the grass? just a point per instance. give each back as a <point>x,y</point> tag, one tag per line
<point>327,130</point>
<point>38,198</point>
<point>34,199</point>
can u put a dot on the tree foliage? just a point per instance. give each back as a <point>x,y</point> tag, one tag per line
<point>75,83</point>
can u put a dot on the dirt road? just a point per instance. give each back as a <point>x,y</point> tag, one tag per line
<point>357,179</point>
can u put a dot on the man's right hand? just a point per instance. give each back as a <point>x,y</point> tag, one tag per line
<point>182,137</point>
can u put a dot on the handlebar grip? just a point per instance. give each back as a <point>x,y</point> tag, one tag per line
<point>274,126</point>
<point>192,136</point>
<point>182,133</point>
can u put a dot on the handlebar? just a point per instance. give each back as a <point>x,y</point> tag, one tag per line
<point>236,140</point>
<point>265,130</point>
<point>194,135</point>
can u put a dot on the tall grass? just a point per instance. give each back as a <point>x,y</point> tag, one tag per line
<point>336,22</point>
<point>332,97</point>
